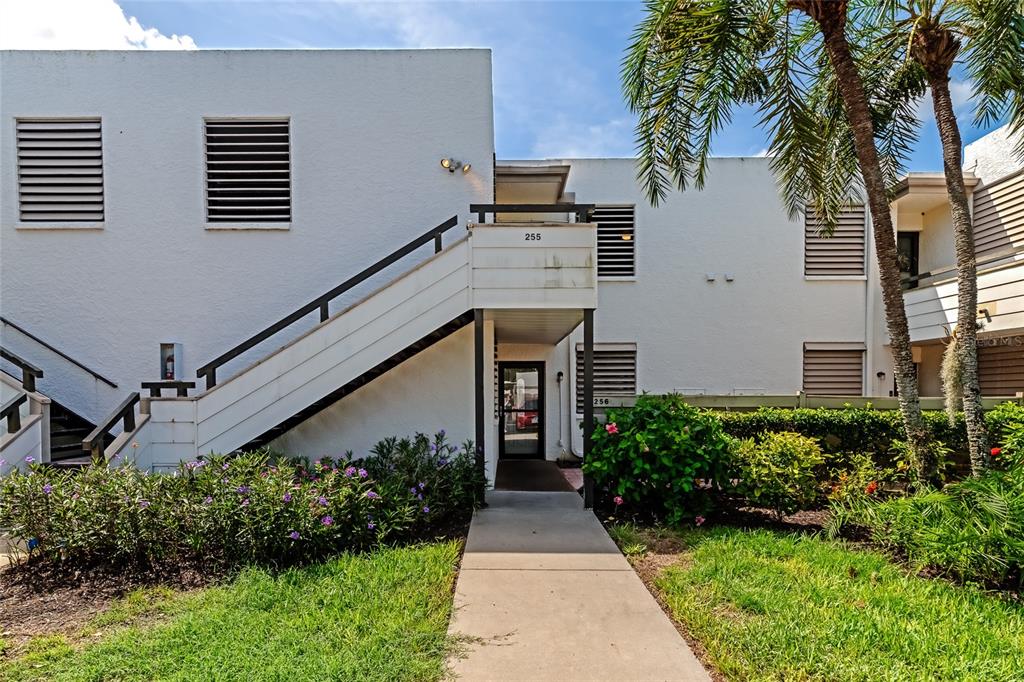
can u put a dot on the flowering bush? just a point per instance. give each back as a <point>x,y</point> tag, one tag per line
<point>252,508</point>
<point>659,457</point>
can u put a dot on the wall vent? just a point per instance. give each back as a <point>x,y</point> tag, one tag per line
<point>616,240</point>
<point>614,371</point>
<point>1001,366</point>
<point>999,216</point>
<point>60,170</point>
<point>834,369</point>
<point>248,171</point>
<point>842,254</point>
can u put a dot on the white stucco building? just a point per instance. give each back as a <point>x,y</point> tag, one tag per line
<point>158,209</point>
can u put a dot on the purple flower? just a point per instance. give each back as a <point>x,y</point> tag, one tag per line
<point>224,466</point>
<point>372,495</point>
<point>327,520</point>
<point>195,464</point>
<point>441,433</point>
<point>143,503</point>
<point>29,459</point>
<point>419,496</point>
<point>422,485</point>
<point>47,488</point>
<point>207,500</point>
<point>350,471</point>
<point>413,490</point>
<point>362,473</point>
<point>3,462</point>
<point>294,535</point>
<point>371,525</point>
<point>287,497</point>
<point>245,502</point>
<point>426,510</point>
<point>442,462</point>
<point>322,501</point>
<point>243,489</point>
<point>433,448</point>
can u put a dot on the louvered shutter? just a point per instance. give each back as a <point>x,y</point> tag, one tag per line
<point>834,369</point>
<point>614,371</point>
<point>616,240</point>
<point>248,171</point>
<point>60,170</point>
<point>999,216</point>
<point>841,254</point>
<point>1001,366</point>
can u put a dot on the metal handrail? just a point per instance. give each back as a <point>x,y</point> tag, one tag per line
<point>209,370</point>
<point>914,282</point>
<point>156,388</point>
<point>12,414</point>
<point>29,372</point>
<point>582,211</point>
<point>125,413</point>
<point>59,352</point>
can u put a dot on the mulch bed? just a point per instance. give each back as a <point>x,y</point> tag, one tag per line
<point>38,598</point>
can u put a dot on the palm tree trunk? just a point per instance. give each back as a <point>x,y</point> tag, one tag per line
<point>830,15</point>
<point>966,267</point>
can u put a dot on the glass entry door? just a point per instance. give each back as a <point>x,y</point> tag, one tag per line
<point>521,410</point>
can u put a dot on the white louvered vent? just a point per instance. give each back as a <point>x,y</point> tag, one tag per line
<point>60,170</point>
<point>834,369</point>
<point>616,240</point>
<point>1001,366</point>
<point>248,171</point>
<point>614,371</point>
<point>841,254</point>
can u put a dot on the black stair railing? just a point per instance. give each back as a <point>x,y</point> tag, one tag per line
<point>29,372</point>
<point>12,413</point>
<point>581,211</point>
<point>321,303</point>
<point>95,442</point>
<point>56,351</point>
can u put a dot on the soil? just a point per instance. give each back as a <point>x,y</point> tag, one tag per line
<point>40,599</point>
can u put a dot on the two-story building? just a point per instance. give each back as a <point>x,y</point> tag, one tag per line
<point>312,238</point>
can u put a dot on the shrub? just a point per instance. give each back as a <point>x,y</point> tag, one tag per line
<point>1009,440</point>
<point>229,511</point>
<point>973,530</point>
<point>660,457</point>
<point>864,430</point>
<point>778,471</point>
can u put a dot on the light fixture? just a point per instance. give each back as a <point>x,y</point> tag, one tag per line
<point>627,237</point>
<point>451,165</point>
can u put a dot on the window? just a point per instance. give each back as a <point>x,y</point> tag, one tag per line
<point>841,254</point>
<point>834,369</point>
<point>614,371</point>
<point>60,170</point>
<point>908,249</point>
<point>248,171</point>
<point>616,240</point>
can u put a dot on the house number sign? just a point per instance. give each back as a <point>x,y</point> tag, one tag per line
<point>532,237</point>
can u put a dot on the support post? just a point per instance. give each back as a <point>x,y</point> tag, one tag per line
<point>588,402</point>
<point>478,363</point>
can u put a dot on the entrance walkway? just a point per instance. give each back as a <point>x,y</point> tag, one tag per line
<point>544,594</point>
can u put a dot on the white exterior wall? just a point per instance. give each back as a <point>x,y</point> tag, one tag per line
<point>743,336</point>
<point>367,130</point>
<point>992,156</point>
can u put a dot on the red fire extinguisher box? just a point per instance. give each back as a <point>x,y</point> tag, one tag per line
<point>170,361</point>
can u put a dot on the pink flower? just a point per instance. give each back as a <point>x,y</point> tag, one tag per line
<point>612,427</point>
<point>618,500</point>
<point>699,521</point>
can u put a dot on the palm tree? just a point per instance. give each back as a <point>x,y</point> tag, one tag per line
<point>692,61</point>
<point>934,34</point>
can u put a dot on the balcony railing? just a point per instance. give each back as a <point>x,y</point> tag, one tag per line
<point>988,263</point>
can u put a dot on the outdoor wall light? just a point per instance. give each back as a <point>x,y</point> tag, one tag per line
<point>451,165</point>
<point>880,375</point>
<point>627,237</point>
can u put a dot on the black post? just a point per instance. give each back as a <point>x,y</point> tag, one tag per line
<point>588,401</point>
<point>478,362</point>
<point>437,243</point>
<point>325,311</point>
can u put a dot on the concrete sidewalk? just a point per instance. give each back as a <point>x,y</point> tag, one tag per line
<point>544,594</point>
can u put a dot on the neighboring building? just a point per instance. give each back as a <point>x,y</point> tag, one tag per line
<point>157,209</point>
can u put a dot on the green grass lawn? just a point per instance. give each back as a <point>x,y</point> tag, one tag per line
<point>770,606</point>
<point>380,616</point>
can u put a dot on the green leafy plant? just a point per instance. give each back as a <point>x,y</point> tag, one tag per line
<point>661,457</point>
<point>227,511</point>
<point>973,530</point>
<point>778,471</point>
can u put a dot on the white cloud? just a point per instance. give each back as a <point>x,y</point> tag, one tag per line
<point>566,139</point>
<point>79,24</point>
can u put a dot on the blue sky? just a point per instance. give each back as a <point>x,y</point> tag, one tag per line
<point>556,63</point>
